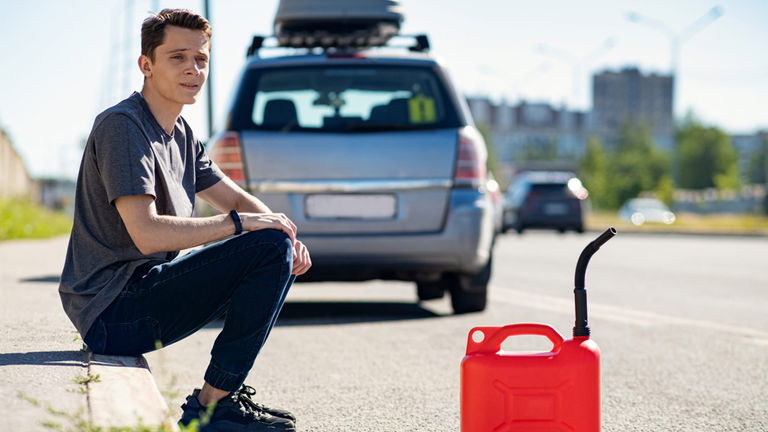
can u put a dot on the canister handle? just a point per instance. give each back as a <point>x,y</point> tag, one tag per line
<point>495,336</point>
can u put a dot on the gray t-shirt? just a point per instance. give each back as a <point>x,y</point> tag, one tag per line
<point>127,153</point>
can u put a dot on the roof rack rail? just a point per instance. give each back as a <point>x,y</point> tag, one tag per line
<point>421,44</point>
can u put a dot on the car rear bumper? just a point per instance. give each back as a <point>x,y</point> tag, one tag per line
<point>464,245</point>
<point>538,220</point>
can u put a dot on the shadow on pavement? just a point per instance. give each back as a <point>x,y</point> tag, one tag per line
<point>43,358</point>
<point>320,312</point>
<point>302,313</point>
<point>43,279</point>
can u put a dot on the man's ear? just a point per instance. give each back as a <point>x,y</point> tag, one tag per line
<point>145,65</point>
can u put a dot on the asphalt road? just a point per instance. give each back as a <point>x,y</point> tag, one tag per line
<point>682,323</point>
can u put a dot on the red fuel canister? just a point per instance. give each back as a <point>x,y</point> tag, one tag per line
<point>558,390</point>
<point>553,391</point>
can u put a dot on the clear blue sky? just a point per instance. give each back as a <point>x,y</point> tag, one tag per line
<point>65,61</point>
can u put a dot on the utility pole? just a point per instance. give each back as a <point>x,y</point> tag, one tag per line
<point>209,91</point>
<point>127,50</point>
<point>577,63</point>
<point>676,39</point>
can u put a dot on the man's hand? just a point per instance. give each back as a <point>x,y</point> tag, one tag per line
<point>277,221</point>
<point>301,260</point>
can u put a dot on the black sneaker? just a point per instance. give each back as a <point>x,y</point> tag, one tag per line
<point>245,394</point>
<point>232,414</point>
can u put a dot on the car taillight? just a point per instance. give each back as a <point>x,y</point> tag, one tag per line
<point>470,163</point>
<point>228,156</point>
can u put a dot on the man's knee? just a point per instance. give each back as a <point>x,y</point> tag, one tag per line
<point>269,236</point>
<point>280,240</point>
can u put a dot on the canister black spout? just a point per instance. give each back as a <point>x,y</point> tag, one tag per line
<point>579,292</point>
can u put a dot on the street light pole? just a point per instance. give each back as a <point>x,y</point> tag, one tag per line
<point>209,89</point>
<point>577,63</point>
<point>676,39</point>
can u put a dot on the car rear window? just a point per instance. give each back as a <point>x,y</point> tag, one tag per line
<point>551,190</point>
<point>344,99</point>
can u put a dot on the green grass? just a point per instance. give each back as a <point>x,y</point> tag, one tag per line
<point>744,224</point>
<point>24,220</point>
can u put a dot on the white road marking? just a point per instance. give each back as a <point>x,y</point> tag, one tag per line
<point>623,315</point>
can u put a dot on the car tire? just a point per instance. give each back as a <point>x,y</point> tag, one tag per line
<point>469,293</point>
<point>431,290</point>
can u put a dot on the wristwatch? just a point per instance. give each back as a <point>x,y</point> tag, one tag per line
<point>238,222</point>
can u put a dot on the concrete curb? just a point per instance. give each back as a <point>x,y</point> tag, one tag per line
<point>125,394</point>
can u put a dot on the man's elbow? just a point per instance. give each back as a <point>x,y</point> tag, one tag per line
<point>145,245</point>
<point>145,241</point>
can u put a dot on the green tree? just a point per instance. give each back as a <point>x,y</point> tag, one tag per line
<point>636,166</point>
<point>706,157</point>
<point>593,172</point>
<point>540,150</point>
<point>665,190</point>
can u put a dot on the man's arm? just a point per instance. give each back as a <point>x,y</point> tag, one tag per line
<point>153,233</point>
<point>226,195</point>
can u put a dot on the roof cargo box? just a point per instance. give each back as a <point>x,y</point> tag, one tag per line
<point>337,23</point>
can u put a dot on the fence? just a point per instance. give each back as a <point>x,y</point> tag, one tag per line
<point>748,199</point>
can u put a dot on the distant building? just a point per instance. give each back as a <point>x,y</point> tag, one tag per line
<point>631,96</point>
<point>15,181</point>
<point>58,194</point>
<point>532,134</point>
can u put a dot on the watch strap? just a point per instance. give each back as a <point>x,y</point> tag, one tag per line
<point>238,222</point>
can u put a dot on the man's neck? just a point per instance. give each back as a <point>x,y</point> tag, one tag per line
<point>166,113</point>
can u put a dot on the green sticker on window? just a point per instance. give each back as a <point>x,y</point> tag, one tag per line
<point>421,109</point>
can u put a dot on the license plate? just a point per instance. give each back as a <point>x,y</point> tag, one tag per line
<point>351,206</point>
<point>555,209</point>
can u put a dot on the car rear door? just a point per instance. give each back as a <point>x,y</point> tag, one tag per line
<point>389,182</point>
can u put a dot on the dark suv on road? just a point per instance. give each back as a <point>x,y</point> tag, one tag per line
<point>374,155</point>
<point>544,199</point>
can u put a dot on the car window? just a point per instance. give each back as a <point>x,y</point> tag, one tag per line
<point>551,189</point>
<point>349,99</point>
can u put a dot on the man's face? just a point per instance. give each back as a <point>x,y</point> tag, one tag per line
<point>180,66</point>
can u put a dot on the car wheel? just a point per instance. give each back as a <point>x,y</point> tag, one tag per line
<point>430,290</point>
<point>469,293</point>
<point>580,229</point>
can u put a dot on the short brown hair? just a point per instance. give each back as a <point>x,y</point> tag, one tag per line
<point>153,28</point>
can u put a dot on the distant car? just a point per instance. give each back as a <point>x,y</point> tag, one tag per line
<point>374,154</point>
<point>646,210</point>
<point>545,199</point>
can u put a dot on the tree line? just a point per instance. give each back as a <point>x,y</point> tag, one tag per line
<point>703,157</point>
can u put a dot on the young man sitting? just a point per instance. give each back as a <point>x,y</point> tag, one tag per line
<point>124,286</point>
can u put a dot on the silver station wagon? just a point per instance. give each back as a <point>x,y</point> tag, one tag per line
<point>373,154</point>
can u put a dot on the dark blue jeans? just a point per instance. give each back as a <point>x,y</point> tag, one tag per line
<point>247,277</point>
